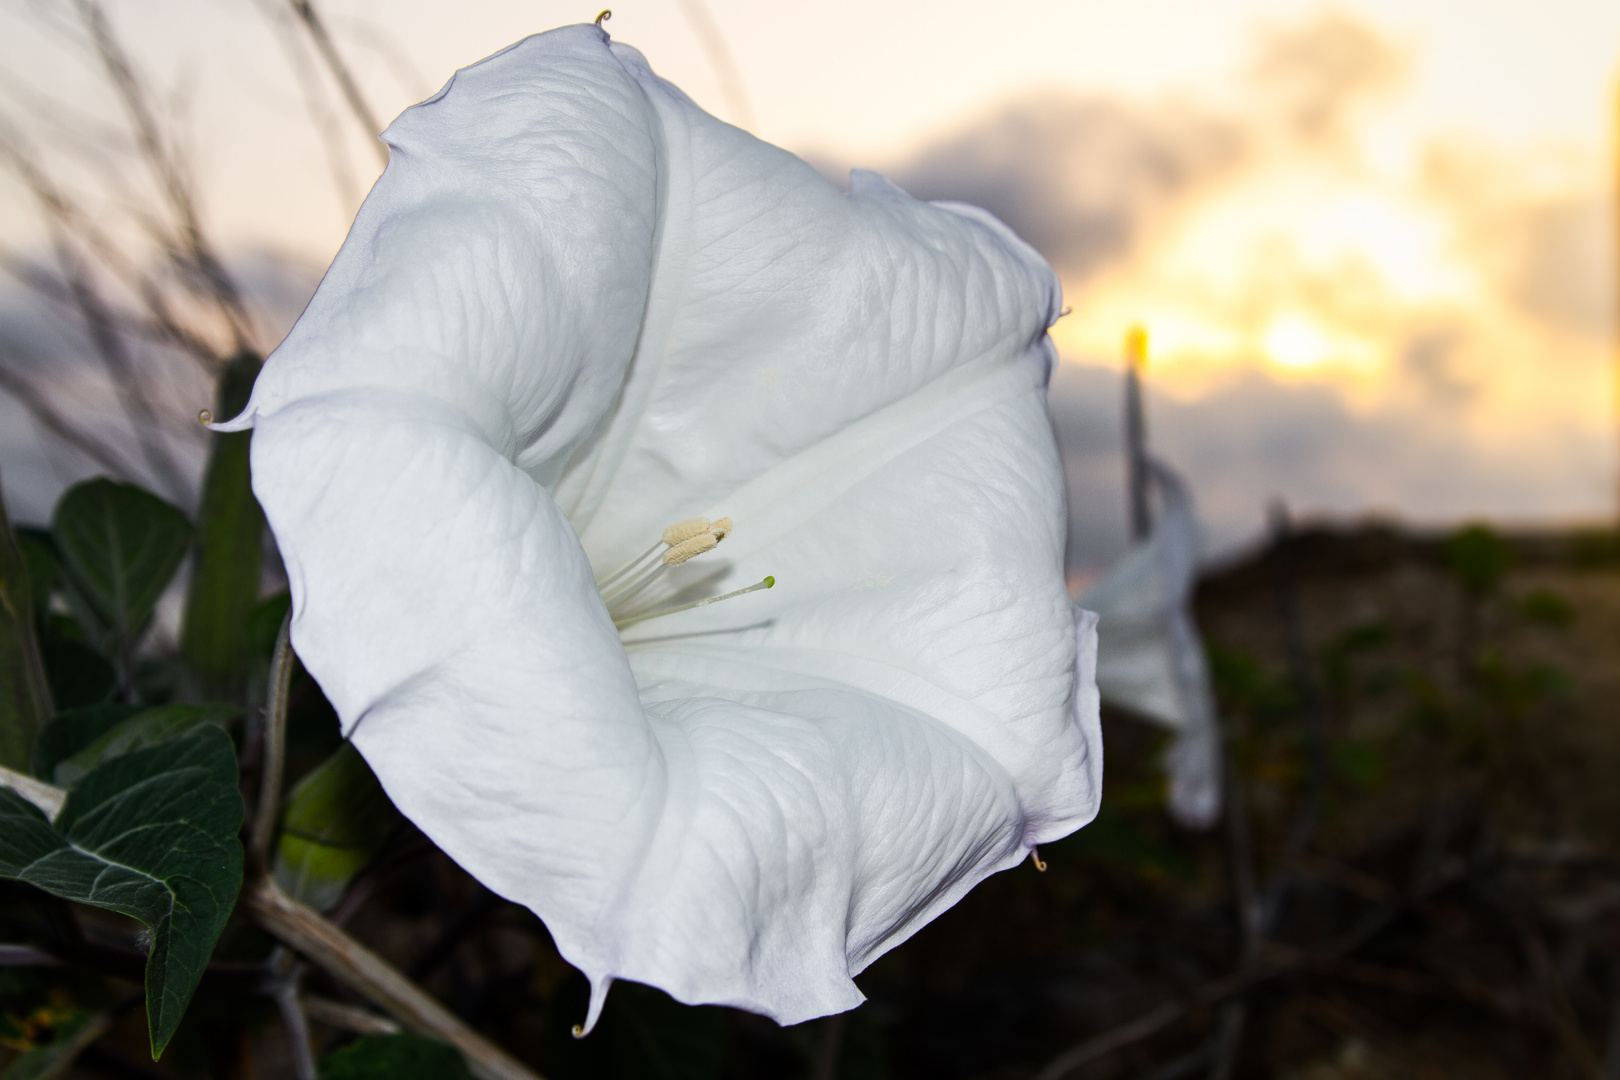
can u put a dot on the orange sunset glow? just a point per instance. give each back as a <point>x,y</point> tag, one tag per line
<point>1371,242</point>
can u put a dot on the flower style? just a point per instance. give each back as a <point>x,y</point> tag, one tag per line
<point>575,310</point>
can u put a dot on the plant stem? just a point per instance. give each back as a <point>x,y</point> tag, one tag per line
<point>366,973</point>
<point>275,748</point>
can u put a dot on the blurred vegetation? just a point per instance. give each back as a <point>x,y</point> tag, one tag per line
<point>1453,911</point>
<point>1418,873</point>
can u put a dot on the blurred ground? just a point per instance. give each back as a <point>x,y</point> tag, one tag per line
<point>1422,878</point>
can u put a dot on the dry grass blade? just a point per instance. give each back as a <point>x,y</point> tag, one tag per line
<point>51,418</point>
<point>316,27</point>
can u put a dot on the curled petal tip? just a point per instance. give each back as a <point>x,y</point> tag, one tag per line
<point>594,1012</point>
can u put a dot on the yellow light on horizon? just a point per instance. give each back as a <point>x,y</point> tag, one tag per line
<point>1294,342</point>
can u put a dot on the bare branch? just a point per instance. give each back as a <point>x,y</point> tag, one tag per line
<point>111,348</point>
<point>77,222</point>
<point>47,416</point>
<point>294,1020</point>
<point>708,33</point>
<point>368,974</point>
<point>1273,963</point>
<point>321,117</point>
<point>275,748</point>
<point>340,956</point>
<point>167,169</point>
<point>316,26</point>
<point>347,1017</point>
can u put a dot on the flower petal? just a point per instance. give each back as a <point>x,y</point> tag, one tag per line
<point>572,281</point>
<point>781,311</point>
<point>501,264</point>
<point>1151,660</point>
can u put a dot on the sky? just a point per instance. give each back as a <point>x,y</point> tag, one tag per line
<point>1370,241</point>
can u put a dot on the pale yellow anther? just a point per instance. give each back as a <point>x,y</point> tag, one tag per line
<point>721,528</point>
<point>682,531</point>
<point>686,549</point>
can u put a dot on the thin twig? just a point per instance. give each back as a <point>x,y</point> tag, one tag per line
<point>709,35</point>
<point>46,415</point>
<point>316,26</point>
<point>126,378</point>
<point>1286,584</point>
<point>291,1007</point>
<point>166,168</point>
<point>1271,964</point>
<point>347,1017</point>
<point>350,963</point>
<point>79,223</point>
<point>275,747</point>
<point>1251,914</point>
<point>26,956</point>
<point>366,973</point>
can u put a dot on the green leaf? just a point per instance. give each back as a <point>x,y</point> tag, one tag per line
<point>336,820</point>
<point>151,835</point>
<point>56,1057</point>
<point>148,727</point>
<point>120,546</point>
<point>74,730</point>
<point>395,1057</point>
<point>264,625</point>
<point>230,529</point>
<point>39,552</point>
<point>25,700</point>
<point>78,675</point>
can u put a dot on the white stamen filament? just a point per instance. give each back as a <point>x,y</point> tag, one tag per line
<point>633,619</point>
<point>603,583</point>
<point>681,542</point>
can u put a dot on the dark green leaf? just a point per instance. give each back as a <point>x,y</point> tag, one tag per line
<point>230,528</point>
<point>25,701</point>
<point>78,675</point>
<point>39,552</point>
<point>152,835</point>
<point>395,1057</point>
<point>148,727</point>
<point>119,546</point>
<point>336,820</point>
<point>74,730</point>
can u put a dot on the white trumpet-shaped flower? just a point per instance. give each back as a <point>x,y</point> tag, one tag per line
<point>1150,659</point>
<point>575,310</point>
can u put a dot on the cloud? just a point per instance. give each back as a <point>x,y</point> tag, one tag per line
<point>47,346</point>
<point>1424,305</point>
<point>1259,439</point>
<point>1562,272</point>
<point>1080,178</point>
<point>1317,75</point>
